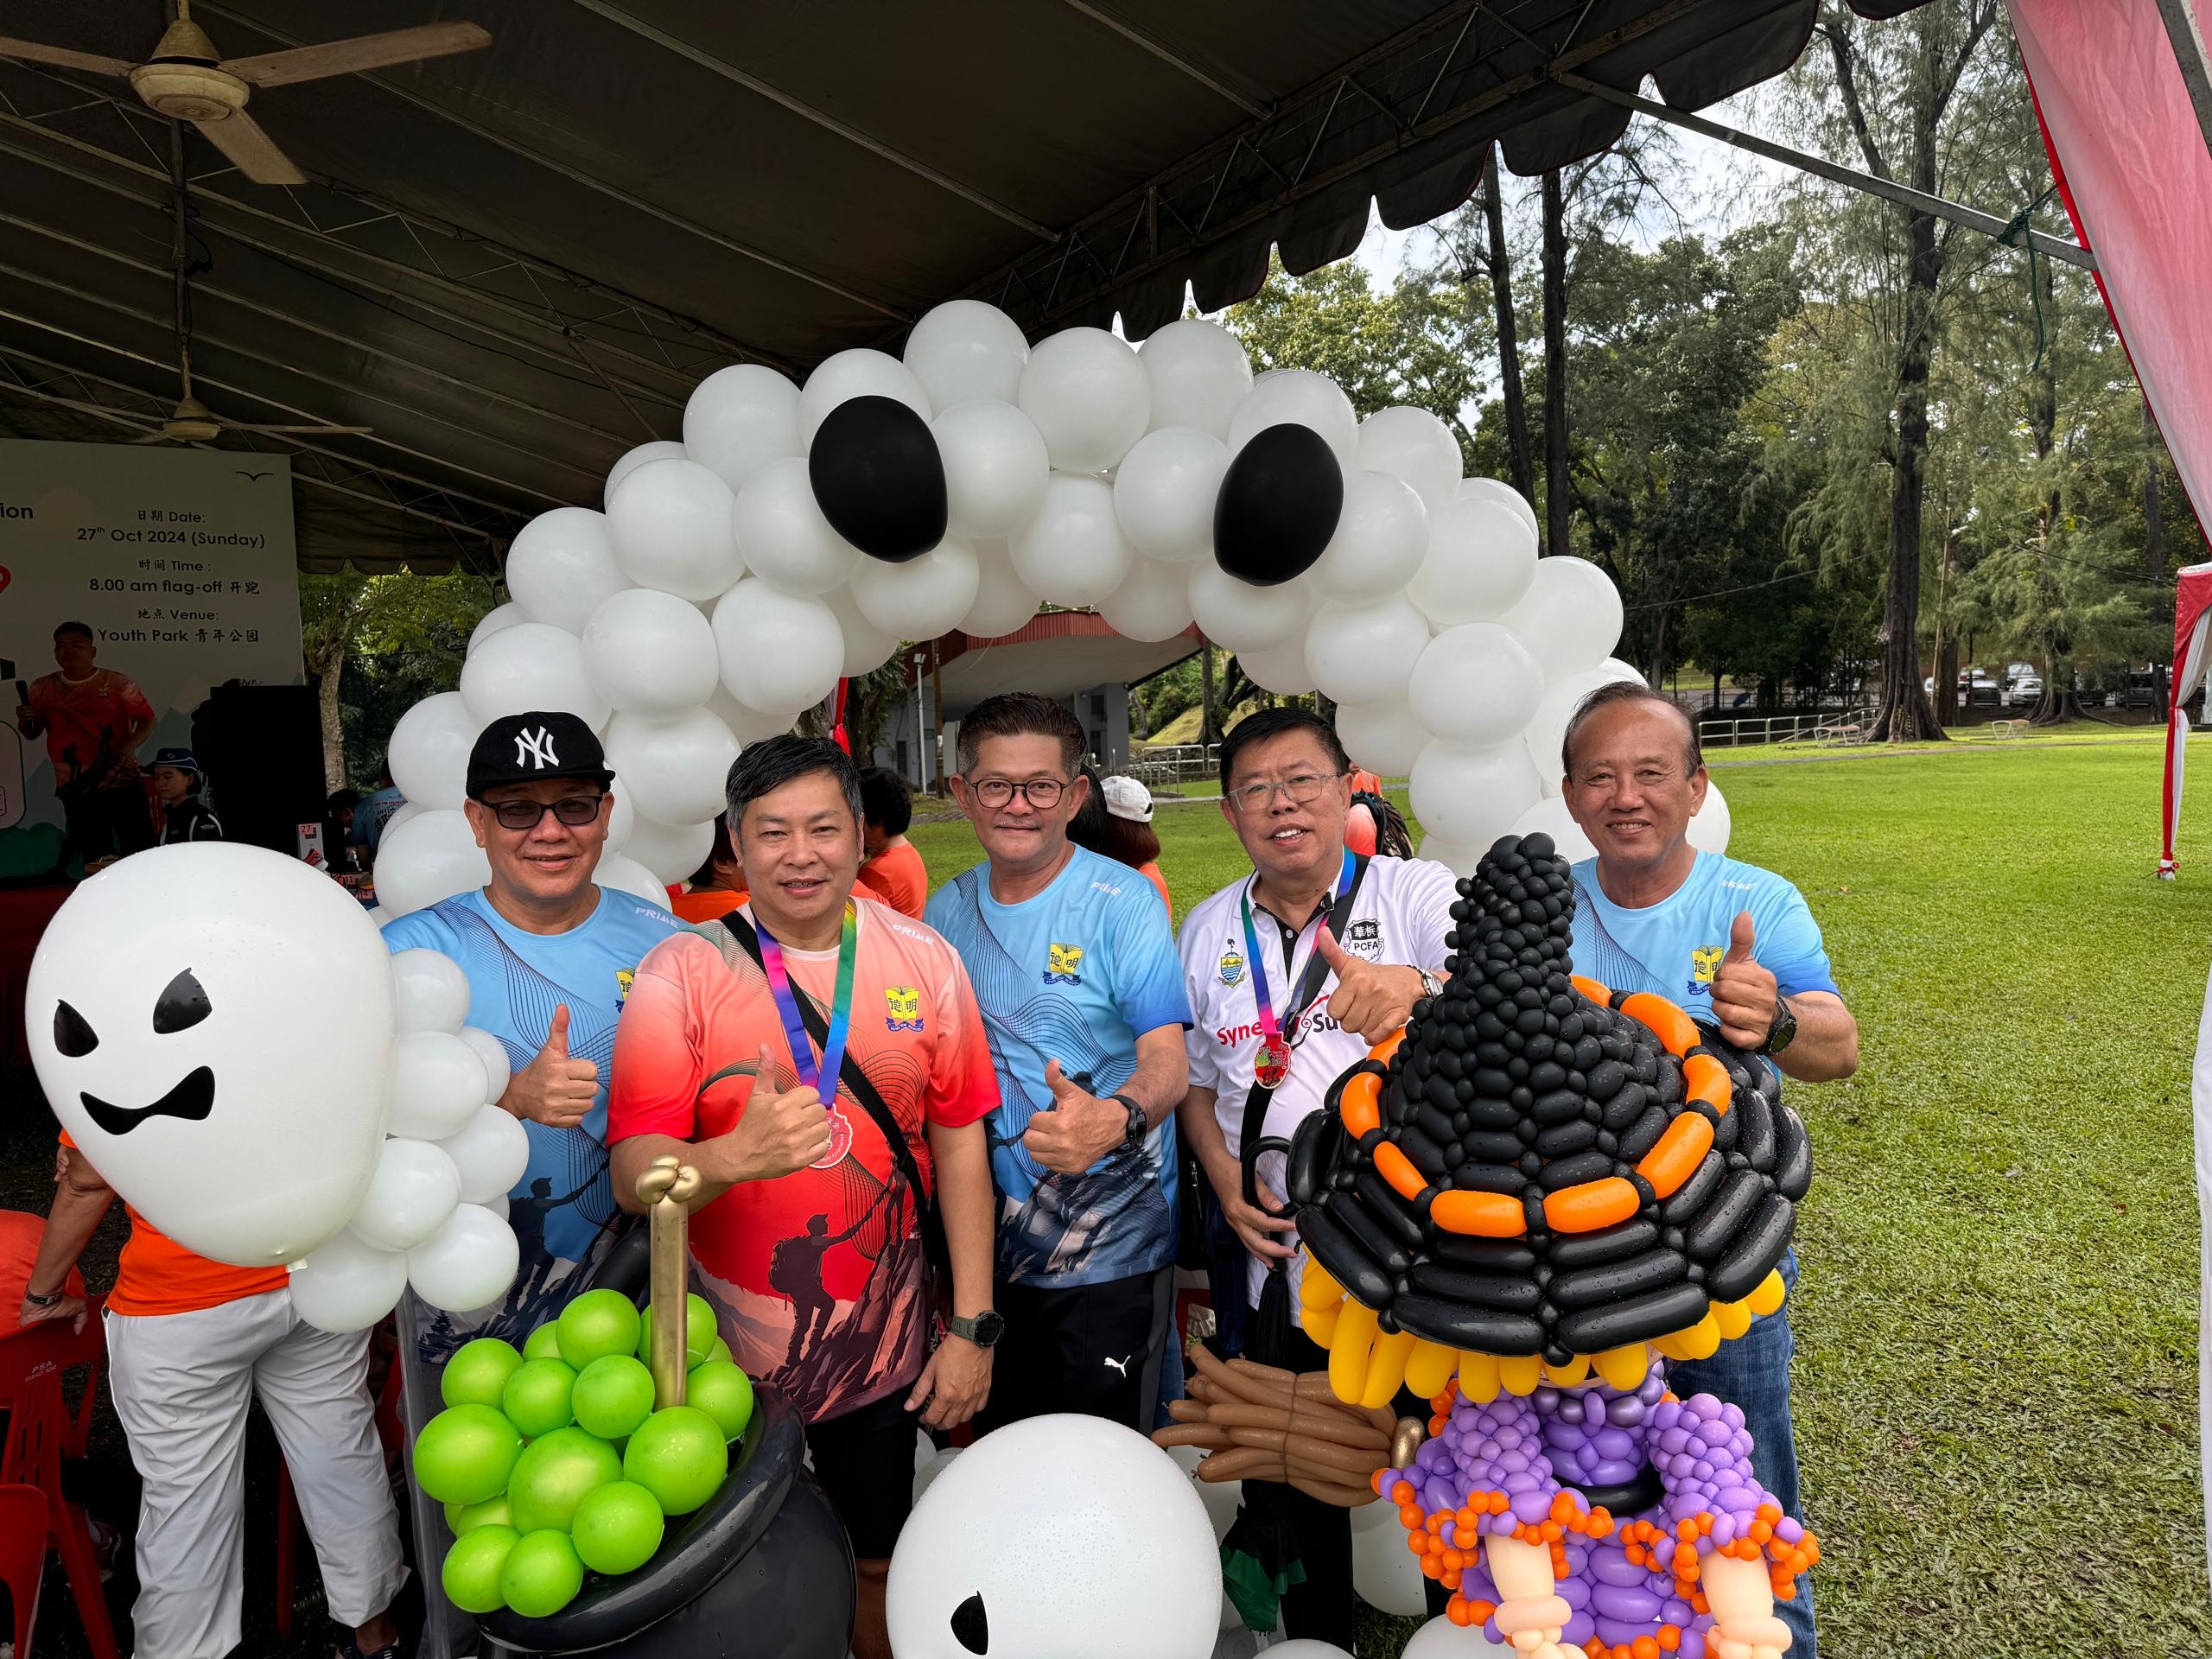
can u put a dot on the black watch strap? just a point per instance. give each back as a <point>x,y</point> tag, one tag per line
<point>1140,1123</point>
<point>37,1301</point>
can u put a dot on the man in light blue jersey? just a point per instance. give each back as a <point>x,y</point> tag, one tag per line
<point>1074,965</point>
<point>1736,947</point>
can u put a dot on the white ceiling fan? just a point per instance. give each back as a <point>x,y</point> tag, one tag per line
<point>189,80</point>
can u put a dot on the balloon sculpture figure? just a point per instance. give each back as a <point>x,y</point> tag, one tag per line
<point>1550,1190</point>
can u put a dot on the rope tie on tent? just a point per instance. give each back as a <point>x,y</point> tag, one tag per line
<point>2015,234</point>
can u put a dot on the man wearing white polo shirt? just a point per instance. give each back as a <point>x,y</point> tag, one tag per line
<point>1294,972</point>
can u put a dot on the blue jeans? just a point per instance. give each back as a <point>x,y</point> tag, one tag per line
<point>1752,1373</point>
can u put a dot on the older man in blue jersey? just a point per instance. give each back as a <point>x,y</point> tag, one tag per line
<point>1735,946</point>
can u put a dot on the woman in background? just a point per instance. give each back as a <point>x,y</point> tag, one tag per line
<point>1126,835</point>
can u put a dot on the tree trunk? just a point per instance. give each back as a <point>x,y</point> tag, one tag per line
<point>1518,456</point>
<point>1555,496</point>
<point>2154,552</point>
<point>333,727</point>
<point>1209,727</point>
<point>1905,714</point>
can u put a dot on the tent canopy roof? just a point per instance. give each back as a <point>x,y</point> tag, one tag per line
<point>515,262</point>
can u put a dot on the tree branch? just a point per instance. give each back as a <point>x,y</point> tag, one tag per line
<point>1848,83</point>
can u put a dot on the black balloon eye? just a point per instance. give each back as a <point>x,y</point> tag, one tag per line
<point>71,1034</point>
<point>970,1628</point>
<point>182,1004</point>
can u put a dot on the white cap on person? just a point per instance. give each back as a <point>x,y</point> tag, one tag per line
<point>1128,798</point>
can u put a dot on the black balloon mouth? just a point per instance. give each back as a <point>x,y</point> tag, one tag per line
<point>192,1099</point>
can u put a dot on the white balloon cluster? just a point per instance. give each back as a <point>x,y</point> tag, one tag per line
<point>435,1214</point>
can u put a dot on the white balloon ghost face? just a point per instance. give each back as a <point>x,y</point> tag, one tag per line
<point>1067,1536</point>
<point>212,1024</point>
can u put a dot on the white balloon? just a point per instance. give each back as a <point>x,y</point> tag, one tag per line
<point>1081,1539</point>
<point>1385,737</point>
<point>673,769</point>
<point>659,450</point>
<point>1621,670</point>
<point>286,1067</point>
<point>1549,816</point>
<point>498,617</point>
<point>1297,397</point>
<point>1497,489</point>
<point>1221,1499</point>
<point>430,991</point>
<point>531,666</point>
<point>781,534</point>
<point>1480,561</point>
<point>670,527</point>
<point>497,1207</point>
<point>1280,668</point>
<point>1548,726</point>
<point>1165,489</point>
<point>467,1264</point>
<point>1477,684</point>
<point>1239,616</point>
<point>738,420</point>
<point>1471,795</point>
<point>405,810</point>
<point>410,1196</point>
<point>1002,602</point>
<point>1089,396</point>
<point>426,859</point>
<point>347,1284</point>
<point>921,597</point>
<point>1198,372</point>
<point>437,1083</point>
<point>561,565</point>
<point>1441,1639</point>
<point>867,647</point>
<point>1570,619</point>
<point>621,819</point>
<point>498,1068</point>
<point>1362,653</point>
<point>428,751</point>
<point>1073,551</point>
<point>967,349</point>
<point>859,373</point>
<point>1459,860</point>
<point>780,652</point>
<point>1152,603</point>
<point>669,852</point>
<point>1413,445</point>
<point>1712,824</point>
<point>751,725</point>
<point>996,469</point>
<point>651,652</point>
<point>1382,533</point>
<point>625,874</point>
<point>1307,1647</point>
<point>925,1476</point>
<point>491,1151</point>
<point>1382,1581</point>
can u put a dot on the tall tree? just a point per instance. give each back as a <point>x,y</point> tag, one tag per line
<point>375,645</point>
<point>1499,267</point>
<point>1556,501</point>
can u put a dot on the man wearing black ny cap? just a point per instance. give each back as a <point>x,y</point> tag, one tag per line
<point>549,956</point>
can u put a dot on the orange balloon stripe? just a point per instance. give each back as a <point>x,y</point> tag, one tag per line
<point>1705,1079</point>
<point>1394,1167</point>
<point>1481,1215</point>
<point>1679,1153</point>
<point>1592,1205</point>
<point>1361,1105</point>
<point>1601,995</point>
<point>1676,1031</point>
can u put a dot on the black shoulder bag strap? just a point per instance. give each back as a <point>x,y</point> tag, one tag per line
<point>887,1123</point>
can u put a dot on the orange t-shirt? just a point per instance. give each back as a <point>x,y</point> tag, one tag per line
<point>902,877</point>
<point>89,721</point>
<point>1151,872</point>
<point>155,1275</point>
<point>706,903</point>
<point>19,1235</point>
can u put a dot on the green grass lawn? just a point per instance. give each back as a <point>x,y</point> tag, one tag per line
<point>1997,1325</point>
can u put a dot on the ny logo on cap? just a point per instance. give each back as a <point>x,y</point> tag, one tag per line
<point>537,749</point>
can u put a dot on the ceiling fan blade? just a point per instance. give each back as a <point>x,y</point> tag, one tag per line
<point>156,436</point>
<point>362,52</point>
<point>61,56</point>
<point>252,151</point>
<point>347,431</point>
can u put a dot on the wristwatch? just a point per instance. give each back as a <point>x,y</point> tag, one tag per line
<point>1139,1124</point>
<point>1783,1031</point>
<point>984,1330</point>
<point>1431,986</point>
<point>37,1301</point>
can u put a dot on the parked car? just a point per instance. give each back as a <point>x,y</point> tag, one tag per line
<point>2139,689</point>
<point>2025,691</point>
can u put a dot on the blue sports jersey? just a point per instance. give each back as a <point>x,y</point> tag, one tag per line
<point>372,814</point>
<point>1675,947</point>
<point>1076,975</point>
<point>563,1209</point>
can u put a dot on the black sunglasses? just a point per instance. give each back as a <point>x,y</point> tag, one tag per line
<point>575,811</point>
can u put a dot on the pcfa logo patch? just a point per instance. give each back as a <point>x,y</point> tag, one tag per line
<point>902,1008</point>
<point>1063,965</point>
<point>1232,966</point>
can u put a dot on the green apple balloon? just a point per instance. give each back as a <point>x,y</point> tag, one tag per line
<point>723,1392</point>
<point>552,1476</point>
<point>537,1398</point>
<point>597,1324</point>
<point>700,1335</point>
<point>679,1456</point>
<point>464,1454</point>
<point>720,1351</point>
<point>474,1568</point>
<point>542,1574</point>
<point>476,1373</point>
<point>617,1527</point>
<point>465,1518</point>
<point>544,1342</point>
<point>612,1395</point>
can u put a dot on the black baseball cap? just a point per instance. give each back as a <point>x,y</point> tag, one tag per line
<point>525,748</point>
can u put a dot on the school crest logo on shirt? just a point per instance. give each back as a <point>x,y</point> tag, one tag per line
<point>1232,966</point>
<point>1063,964</point>
<point>902,1008</point>
<point>1705,962</point>
<point>623,978</point>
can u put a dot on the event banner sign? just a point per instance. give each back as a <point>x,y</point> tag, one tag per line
<point>179,564</point>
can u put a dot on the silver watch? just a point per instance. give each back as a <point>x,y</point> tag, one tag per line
<point>1431,986</point>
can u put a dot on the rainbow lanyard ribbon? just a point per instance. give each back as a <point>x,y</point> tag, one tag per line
<point>1272,1065</point>
<point>841,1008</point>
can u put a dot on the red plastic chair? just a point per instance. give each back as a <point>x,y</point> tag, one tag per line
<point>37,1431</point>
<point>389,1434</point>
<point>23,1556</point>
<point>50,1348</point>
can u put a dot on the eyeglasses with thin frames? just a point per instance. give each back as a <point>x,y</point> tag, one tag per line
<point>1301,791</point>
<point>575,810</point>
<point>1043,793</point>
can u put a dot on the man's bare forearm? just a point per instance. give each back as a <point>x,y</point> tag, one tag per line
<point>1826,1047</point>
<point>967,1207</point>
<point>1163,1074</point>
<point>80,1206</point>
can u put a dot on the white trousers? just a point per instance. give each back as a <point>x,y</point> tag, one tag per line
<point>182,1382</point>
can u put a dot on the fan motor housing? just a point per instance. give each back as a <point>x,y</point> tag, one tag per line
<point>190,91</point>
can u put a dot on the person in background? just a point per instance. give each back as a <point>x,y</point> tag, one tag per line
<point>94,721</point>
<point>1736,947</point>
<point>337,813</point>
<point>370,817</point>
<point>1074,965</point>
<point>185,817</point>
<point>1129,837</point>
<point>1087,829</point>
<point>894,868</point>
<point>807,1233</point>
<point>717,887</point>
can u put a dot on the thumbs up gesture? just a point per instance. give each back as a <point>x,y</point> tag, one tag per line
<point>1077,1130</point>
<point>781,1130</point>
<point>1743,992</point>
<point>1373,998</point>
<point>554,1088</point>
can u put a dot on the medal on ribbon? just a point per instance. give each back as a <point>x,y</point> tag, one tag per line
<point>812,1072</point>
<point>1271,1066</point>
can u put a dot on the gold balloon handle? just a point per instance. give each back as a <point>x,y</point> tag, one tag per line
<point>1406,1442</point>
<point>666,1190</point>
